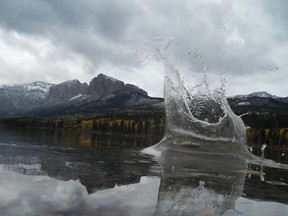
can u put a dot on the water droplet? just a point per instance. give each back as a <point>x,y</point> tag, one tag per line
<point>283,154</point>
<point>201,184</point>
<point>263,147</point>
<point>263,150</point>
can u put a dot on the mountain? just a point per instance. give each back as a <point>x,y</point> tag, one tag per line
<point>261,94</point>
<point>23,97</point>
<point>104,93</point>
<point>258,102</point>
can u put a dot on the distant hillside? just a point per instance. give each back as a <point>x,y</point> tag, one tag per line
<point>258,102</point>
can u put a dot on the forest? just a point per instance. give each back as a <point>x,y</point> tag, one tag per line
<point>269,128</point>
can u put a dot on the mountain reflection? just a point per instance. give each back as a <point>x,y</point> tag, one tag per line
<point>96,169</point>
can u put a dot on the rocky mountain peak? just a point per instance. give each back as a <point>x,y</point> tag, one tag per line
<point>103,76</point>
<point>103,85</point>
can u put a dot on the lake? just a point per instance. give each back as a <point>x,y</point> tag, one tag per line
<point>65,173</point>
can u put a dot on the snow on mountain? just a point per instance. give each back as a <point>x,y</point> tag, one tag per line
<point>77,96</point>
<point>261,94</point>
<point>37,89</point>
<point>43,86</point>
<point>70,82</point>
<point>22,96</point>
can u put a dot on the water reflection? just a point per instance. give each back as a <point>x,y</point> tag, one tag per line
<point>94,168</point>
<point>41,195</point>
<point>198,183</point>
<point>53,179</point>
<point>75,137</point>
<point>76,181</point>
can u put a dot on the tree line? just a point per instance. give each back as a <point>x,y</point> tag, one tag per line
<point>269,128</point>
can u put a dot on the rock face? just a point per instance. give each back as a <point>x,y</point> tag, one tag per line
<point>133,88</point>
<point>103,85</point>
<point>65,91</point>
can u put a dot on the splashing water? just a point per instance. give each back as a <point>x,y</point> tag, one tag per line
<point>263,147</point>
<point>198,118</point>
<point>202,120</point>
<point>199,113</point>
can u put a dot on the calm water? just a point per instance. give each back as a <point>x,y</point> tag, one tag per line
<point>54,173</point>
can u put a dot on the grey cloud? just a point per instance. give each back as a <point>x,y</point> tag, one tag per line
<point>27,16</point>
<point>277,10</point>
<point>88,28</point>
<point>230,37</point>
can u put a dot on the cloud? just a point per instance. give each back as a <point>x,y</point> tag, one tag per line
<point>42,195</point>
<point>233,38</point>
<point>24,58</point>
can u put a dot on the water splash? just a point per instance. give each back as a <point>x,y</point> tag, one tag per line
<point>199,113</point>
<point>263,147</point>
<point>250,149</point>
<point>201,119</point>
<point>198,118</point>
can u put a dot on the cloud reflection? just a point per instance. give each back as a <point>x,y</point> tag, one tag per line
<point>42,195</point>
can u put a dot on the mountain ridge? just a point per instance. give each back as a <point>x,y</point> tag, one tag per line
<point>258,102</point>
<point>40,98</point>
<point>261,94</point>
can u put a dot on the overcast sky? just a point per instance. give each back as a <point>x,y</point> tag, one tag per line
<point>245,42</point>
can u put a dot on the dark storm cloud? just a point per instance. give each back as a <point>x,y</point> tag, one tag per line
<point>231,37</point>
<point>41,16</point>
<point>86,27</point>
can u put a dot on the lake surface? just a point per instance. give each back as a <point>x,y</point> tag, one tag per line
<point>56,173</point>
